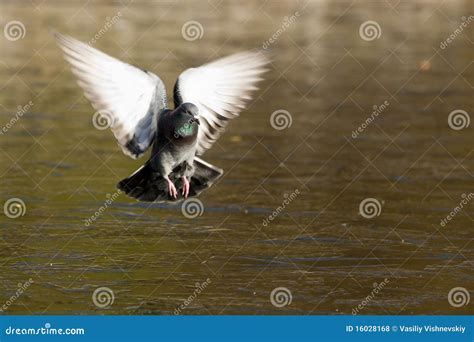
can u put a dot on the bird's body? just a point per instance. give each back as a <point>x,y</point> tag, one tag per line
<point>175,145</point>
<point>134,100</point>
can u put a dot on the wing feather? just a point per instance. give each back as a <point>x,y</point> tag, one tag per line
<point>128,97</point>
<point>221,90</point>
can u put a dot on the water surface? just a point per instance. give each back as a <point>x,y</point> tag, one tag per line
<point>319,247</point>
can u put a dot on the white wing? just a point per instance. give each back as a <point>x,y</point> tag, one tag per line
<point>221,90</point>
<point>129,98</point>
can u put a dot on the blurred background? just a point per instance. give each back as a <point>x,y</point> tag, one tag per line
<point>348,180</point>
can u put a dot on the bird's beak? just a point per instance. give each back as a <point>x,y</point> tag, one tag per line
<point>196,120</point>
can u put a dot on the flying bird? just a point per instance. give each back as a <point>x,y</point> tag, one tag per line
<point>134,102</point>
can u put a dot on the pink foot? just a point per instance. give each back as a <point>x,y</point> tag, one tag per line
<point>171,188</point>
<point>185,192</point>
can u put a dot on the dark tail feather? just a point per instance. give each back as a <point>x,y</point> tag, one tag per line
<point>144,184</point>
<point>147,185</point>
<point>204,176</point>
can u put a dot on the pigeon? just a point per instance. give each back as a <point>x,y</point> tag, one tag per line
<point>134,102</point>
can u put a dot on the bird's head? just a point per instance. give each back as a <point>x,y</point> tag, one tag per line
<point>186,121</point>
<point>189,109</point>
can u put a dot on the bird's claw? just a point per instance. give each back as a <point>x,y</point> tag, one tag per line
<point>185,191</point>
<point>172,189</point>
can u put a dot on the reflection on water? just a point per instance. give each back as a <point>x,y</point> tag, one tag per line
<point>319,247</point>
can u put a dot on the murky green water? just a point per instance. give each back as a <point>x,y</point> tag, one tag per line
<point>319,247</point>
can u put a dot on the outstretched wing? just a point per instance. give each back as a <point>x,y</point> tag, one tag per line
<point>220,89</point>
<point>127,98</point>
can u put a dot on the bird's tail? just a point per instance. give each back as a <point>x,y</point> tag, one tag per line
<point>147,185</point>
